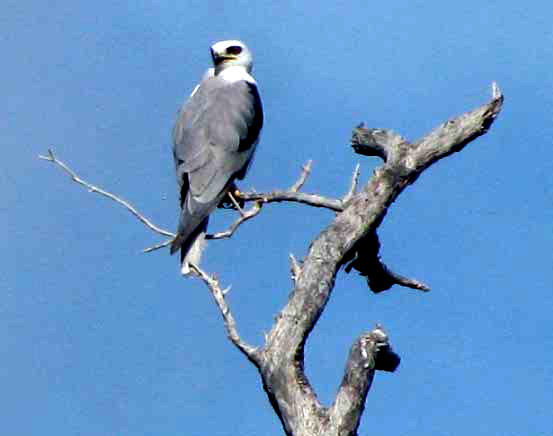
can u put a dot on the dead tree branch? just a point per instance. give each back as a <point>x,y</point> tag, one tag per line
<point>350,241</point>
<point>370,352</point>
<point>314,200</point>
<point>282,357</point>
<point>292,195</point>
<point>364,258</point>
<point>91,188</point>
<point>230,325</point>
<point>245,216</point>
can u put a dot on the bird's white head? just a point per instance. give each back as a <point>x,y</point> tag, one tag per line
<point>231,53</point>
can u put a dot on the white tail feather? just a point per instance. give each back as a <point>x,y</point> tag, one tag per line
<point>194,254</point>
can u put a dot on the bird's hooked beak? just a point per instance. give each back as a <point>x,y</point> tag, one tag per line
<point>219,58</point>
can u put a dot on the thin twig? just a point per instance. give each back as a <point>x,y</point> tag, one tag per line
<point>354,182</point>
<point>306,170</point>
<point>277,196</point>
<point>219,296</point>
<point>158,246</point>
<point>91,188</point>
<point>245,216</point>
<point>295,267</point>
<point>406,281</point>
<point>294,197</point>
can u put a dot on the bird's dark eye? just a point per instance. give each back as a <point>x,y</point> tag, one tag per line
<point>234,50</point>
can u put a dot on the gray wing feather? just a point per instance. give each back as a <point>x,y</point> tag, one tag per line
<point>214,141</point>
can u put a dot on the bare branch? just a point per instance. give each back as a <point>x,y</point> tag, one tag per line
<point>91,188</point>
<point>219,296</point>
<point>295,197</point>
<point>453,135</point>
<point>295,267</point>
<point>375,142</point>
<point>284,379</point>
<point>354,183</point>
<point>406,281</point>
<point>364,258</point>
<point>293,194</point>
<point>370,352</point>
<point>281,360</point>
<point>245,216</point>
<point>158,246</point>
<point>306,170</point>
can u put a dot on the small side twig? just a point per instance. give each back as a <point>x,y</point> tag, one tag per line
<point>295,268</point>
<point>244,216</point>
<point>158,246</point>
<point>293,195</point>
<point>306,170</point>
<point>230,325</point>
<point>380,277</point>
<point>354,182</point>
<point>406,282</point>
<point>91,188</point>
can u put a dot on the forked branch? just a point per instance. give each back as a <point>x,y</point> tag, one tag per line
<point>283,353</point>
<point>280,360</point>
<point>92,188</point>
<point>290,195</point>
<point>219,296</point>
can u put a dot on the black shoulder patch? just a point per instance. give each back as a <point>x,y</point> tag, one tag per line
<point>257,121</point>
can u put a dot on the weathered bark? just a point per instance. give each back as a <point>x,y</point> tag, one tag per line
<point>350,240</point>
<point>281,360</point>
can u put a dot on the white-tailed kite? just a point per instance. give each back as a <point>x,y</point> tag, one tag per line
<point>214,140</point>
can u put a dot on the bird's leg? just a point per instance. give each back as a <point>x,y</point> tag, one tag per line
<point>231,195</point>
<point>227,203</point>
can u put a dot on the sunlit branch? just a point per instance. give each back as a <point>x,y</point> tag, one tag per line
<point>92,188</point>
<point>230,324</point>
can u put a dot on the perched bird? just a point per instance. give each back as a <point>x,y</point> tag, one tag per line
<point>214,140</point>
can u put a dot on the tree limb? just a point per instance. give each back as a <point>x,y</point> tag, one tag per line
<point>371,351</point>
<point>258,198</point>
<point>349,238</point>
<point>91,188</point>
<point>354,182</point>
<point>244,216</point>
<point>282,359</point>
<point>219,296</point>
<point>314,200</point>
<point>364,258</point>
<point>306,170</point>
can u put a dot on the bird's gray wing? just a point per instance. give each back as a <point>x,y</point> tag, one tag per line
<point>214,141</point>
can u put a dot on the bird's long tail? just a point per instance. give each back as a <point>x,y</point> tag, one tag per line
<point>191,246</point>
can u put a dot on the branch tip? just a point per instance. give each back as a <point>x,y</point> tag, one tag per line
<point>295,267</point>
<point>496,91</point>
<point>158,246</point>
<point>94,189</point>
<point>305,171</point>
<point>218,295</point>
<point>353,186</point>
<point>244,216</point>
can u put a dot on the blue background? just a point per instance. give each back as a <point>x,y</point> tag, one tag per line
<point>99,339</point>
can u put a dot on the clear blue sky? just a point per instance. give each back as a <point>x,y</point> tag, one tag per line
<point>98,339</point>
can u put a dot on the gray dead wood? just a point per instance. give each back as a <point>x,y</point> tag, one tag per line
<point>351,241</point>
<point>281,360</point>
